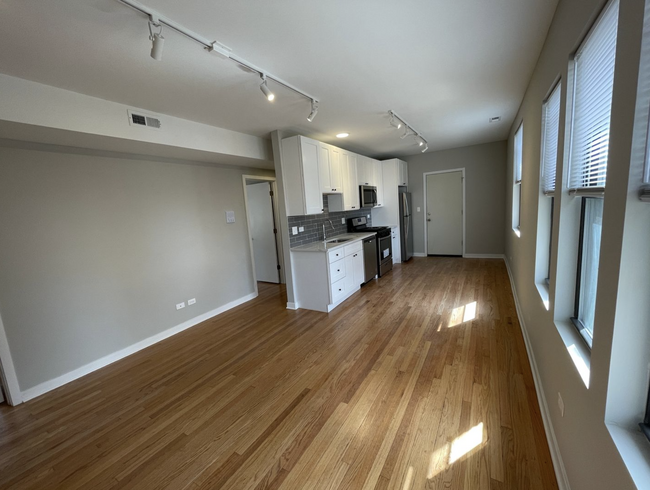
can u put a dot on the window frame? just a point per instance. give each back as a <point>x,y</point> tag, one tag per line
<point>518,158</point>
<point>575,319</point>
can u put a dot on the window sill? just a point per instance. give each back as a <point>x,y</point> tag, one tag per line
<point>517,232</point>
<point>634,449</point>
<point>577,349</point>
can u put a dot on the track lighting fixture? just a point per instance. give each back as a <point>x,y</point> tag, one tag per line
<point>157,21</point>
<point>157,40</point>
<point>397,122</point>
<point>314,110</point>
<point>266,90</point>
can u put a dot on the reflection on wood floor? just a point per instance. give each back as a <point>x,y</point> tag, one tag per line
<point>420,380</point>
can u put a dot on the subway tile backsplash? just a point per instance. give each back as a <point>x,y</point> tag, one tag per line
<point>313,224</point>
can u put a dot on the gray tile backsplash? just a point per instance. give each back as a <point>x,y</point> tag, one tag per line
<point>313,224</point>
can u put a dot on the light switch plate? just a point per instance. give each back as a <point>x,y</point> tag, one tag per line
<point>294,230</point>
<point>230,216</point>
<point>191,302</point>
<point>301,229</point>
<point>342,221</point>
<point>418,209</point>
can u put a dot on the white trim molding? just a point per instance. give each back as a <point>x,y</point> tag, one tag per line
<point>556,456</point>
<point>8,376</point>
<point>419,254</point>
<point>127,351</point>
<point>484,256</point>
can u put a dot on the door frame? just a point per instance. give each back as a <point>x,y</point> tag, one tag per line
<point>276,217</point>
<point>426,227</point>
<point>7,370</point>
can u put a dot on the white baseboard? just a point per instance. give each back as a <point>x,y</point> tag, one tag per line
<point>127,351</point>
<point>291,305</point>
<point>484,256</point>
<point>556,456</point>
<point>419,254</point>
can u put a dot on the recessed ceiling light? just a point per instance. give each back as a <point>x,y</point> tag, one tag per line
<point>342,135</point>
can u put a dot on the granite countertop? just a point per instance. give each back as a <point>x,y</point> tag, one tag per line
<point>321,246</point>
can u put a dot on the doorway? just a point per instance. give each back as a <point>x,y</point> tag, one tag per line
<point>444,205</point>
<point>261,213</point>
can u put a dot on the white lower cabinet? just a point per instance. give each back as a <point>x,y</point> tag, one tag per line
<point>395,241</point>
<point>324,279</point>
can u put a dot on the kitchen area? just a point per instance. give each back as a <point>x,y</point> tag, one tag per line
<point>348,217</point>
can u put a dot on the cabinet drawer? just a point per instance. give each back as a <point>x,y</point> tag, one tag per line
<point>352,248</point>
<point>334,255</point>
<point>338,290</point>
<point>337,270</point>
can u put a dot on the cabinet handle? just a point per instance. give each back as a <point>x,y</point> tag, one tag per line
<point>354,207</point>
<point>339,289</point>
<point>354,255</point>
<point>338,270</point>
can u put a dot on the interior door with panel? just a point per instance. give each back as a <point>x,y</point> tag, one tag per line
<point>444,207</point>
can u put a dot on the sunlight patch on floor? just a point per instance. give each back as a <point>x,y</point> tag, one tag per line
<point>465,443</point>
<point>462,314</point>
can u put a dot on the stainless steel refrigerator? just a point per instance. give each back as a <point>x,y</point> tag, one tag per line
<point>405,224</point>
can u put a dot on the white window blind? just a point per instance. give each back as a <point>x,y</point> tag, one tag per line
<point>551,114</point>
<point>592,103</point>
<point>519,136</point>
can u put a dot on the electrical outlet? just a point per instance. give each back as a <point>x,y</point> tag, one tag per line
<point>342,221</point>
<point>418,209</point>
<point>230,216</point>
<point>368,216</point>
<point>560,403</point>
<point>191,302</point>
<point>301,229</point>
<point>180,306</point>
<point>294,230</point>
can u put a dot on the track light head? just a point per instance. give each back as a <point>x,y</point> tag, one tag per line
<point>406,133</point>
<point>314,110</point>
<point>396,123</point>
<point>266,90</point>
<point>420,140</point>
<point>426,147</point>
<point>157,41</point>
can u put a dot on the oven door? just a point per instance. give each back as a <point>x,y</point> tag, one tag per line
<point>368,196</point>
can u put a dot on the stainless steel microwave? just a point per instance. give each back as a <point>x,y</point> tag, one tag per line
<point>368,196</point>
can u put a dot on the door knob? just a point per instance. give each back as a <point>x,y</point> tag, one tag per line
<point>429,219</point>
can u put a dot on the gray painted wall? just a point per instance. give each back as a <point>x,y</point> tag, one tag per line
<point>595,415</point>
<point>96,251</point>
<point>485,190</point>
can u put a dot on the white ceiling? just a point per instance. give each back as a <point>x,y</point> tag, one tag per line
<point>445,66</point>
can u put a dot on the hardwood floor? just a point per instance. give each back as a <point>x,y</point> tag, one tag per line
<point>418,381</point>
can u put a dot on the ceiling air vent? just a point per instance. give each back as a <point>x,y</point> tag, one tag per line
<point>141,119</point>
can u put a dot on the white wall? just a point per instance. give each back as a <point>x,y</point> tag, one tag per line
<point>96,251</point>
<point>591,458</point>
<point>485,167</point>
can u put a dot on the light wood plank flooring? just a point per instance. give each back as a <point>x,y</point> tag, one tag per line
<point>418,381</point>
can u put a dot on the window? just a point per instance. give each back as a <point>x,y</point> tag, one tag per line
<point>550,132</point>
<point>516,190</point>
<point>593,72</point>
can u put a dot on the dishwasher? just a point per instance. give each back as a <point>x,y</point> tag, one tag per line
<point>369,258</point>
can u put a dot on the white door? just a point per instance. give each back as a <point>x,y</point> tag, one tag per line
<point>444,208</point>
<point>260,215</point>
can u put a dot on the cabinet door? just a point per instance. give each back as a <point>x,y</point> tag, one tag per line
<point>403,173</point>
<point>352,191</point>
<point>324,167</point>
<point>378,181</point>
<point>364,170</point>
<point>357,268</point>
<point>313,196</point>
<point>336,177</point>
<point>350,280</point>
<point>397,253</point>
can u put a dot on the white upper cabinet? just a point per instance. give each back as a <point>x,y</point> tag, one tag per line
<point>301,176</point>
<point>350,189</point>
<point>329,169</point>
<point>364,170</point>
<point>378,181</point>
<point>403,173</point>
